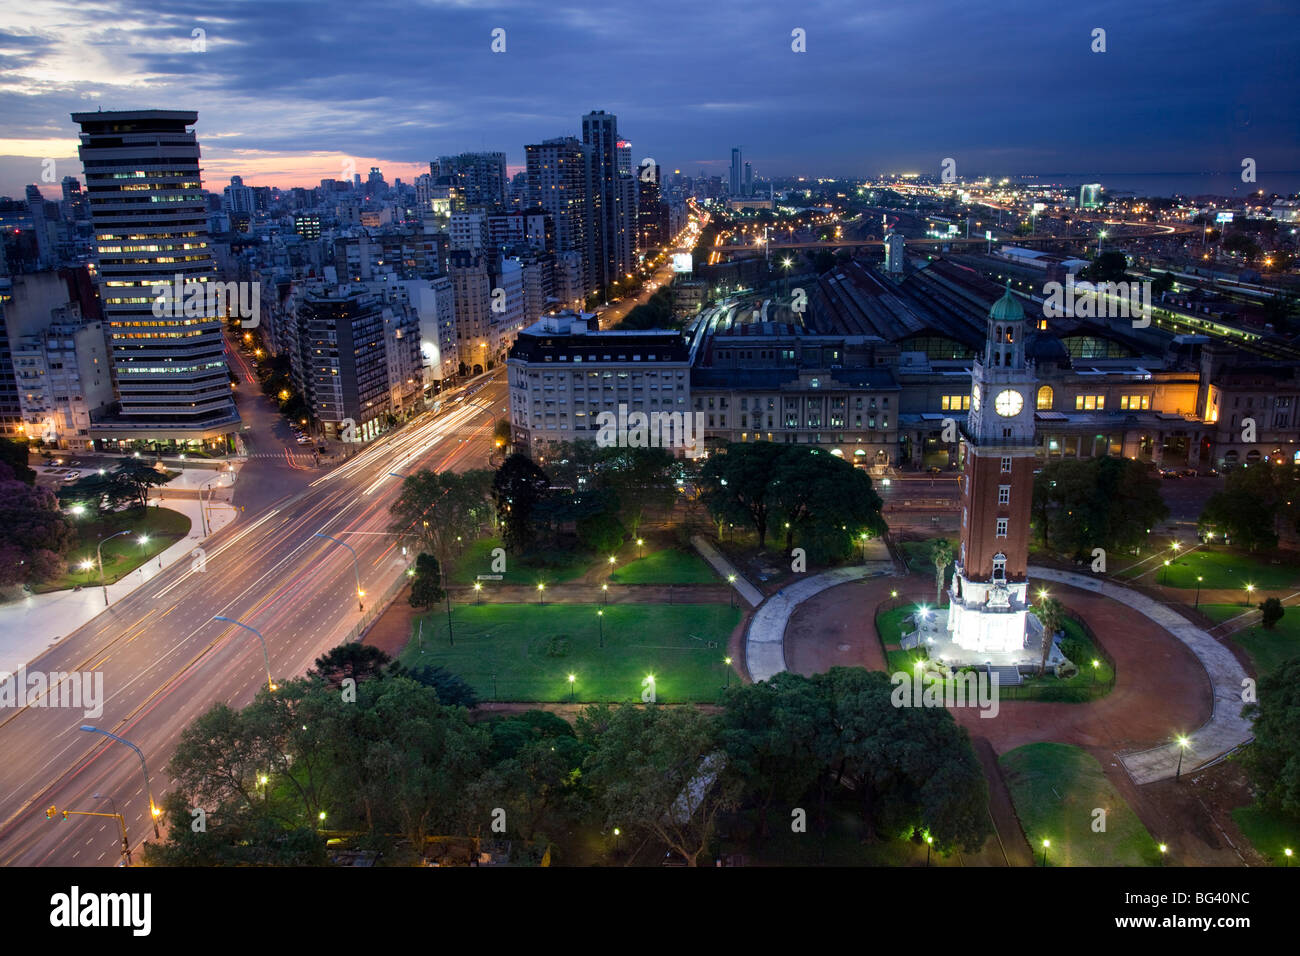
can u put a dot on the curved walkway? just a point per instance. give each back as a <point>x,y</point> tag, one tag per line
<point>765,639</point>
<point>1225,730</point>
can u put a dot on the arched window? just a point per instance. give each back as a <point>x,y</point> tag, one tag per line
<point>1045,398</point>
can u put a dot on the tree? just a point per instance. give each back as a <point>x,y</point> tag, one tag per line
<point>1253,502</point>
<point>452,690</point>
<point>1271,610</point>
<point>911,767</point>
<point>941,556</point>
<point>660,770</point>
<point>1108,267</point>
<point>517,488</point>
<point>601,533</point>
<point>443,510</point>
<point>640,478</point>
<point>353,660</point>
<point>426,583</point>
<point>1103,502</point>
<point>1274,758</point>
<point>735,485</point>
<point>1050,612</point>
<point>14,454</point>
<point>138,477</point>
<point>824,500</point>
<point>34,534</point>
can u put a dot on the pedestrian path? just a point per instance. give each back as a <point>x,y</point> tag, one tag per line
<point>750,594</point>
<point>1226,729</point>
<point>765,638</point>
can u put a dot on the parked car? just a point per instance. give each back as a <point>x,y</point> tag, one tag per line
<point>1168,473</point>
<point>72,476</point>
<point>1190,473</point>
<point>303,440</point>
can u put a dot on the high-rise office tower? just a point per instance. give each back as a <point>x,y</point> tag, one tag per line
<point>651,212</point>
<point>749,180</point>
<point>612,198</point>
<point>481,177</point>
<point>557,182</point>
<point>735,181</point>
<point>151,229</point>
<point>624,157</point>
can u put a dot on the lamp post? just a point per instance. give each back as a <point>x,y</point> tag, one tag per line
<point>1163,850</point>
<point>478,592</point>
<point>727,662</point>
<point>1199,579</point>
<point>1182,747</point>
<point>893,596</point>
<point>1287,854</point>
<point>1250,591</point>
<point>266,659</point>
<point>604,592</point>
<point>1164,574</point>
<point>1046,845</point>
<point>572,678</point>
<point>99,558</point>
<point>731,580</point>
<point>639,542</point>
<point>929,842</point>
<point>863,537</point>
<point>153,808</point>
<point>541,592</point>
<point>356,566</point>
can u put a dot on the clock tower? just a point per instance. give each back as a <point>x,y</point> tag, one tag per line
<point>989,594</point>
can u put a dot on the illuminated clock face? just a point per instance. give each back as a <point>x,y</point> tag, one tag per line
<point>1008,403</point>
<point>975,398</point>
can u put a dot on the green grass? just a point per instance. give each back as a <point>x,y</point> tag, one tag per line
<point>669,566</point>
<point>1055,789</point>
<point>1220,567</point>
<point>551,567</point>
<point>1269,833</point>
<point>889,627</point>
<point>122,555</point>
<point>1268,650</point>
<point>532,649</point>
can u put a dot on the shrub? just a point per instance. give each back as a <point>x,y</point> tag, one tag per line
<point>1067,669</point>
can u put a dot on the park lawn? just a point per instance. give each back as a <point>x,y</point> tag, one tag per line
<point>1087,676</point>
<point>841,846</point>
<point>532,648</point>
<point>123,555</point>
<point>1268,650</point>
<point>669,566</point>
<point>551,567</point>
<point>1055,788</point>
<point>1268,832</point>
<point>1222,568</point>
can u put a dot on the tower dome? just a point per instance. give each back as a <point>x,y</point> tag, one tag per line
<point>1007,308</point>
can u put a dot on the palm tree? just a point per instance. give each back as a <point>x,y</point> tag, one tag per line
<point>941,555</point>
<point>1049,611</point>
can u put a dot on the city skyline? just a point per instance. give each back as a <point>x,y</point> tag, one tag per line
<point>1159,99</point>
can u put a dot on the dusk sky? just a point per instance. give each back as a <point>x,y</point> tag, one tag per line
<point>287,92</point>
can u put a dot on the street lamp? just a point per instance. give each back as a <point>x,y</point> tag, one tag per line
<point>1182,747</point>
<point>639,542</point>
<point>1163,850</point>
<point>572,678</point>
<point>478,592</point>
<point>99,557</point>
<point>731,579</point>
<point>1095,664</point>
<point>153,808</point>
<point>1287,853</point>
<point>1250,590</point>
<point>1046,845</point>
<point>265,657</point>
<point>1164,574</point>
<point>356,566</point>
<point>600,622</point>
<point>1199,579</point>
<point>727,661</point>
<point>604,591</point>
<point>541,592</point>
<point>929,842</point>
<point>863,536</point>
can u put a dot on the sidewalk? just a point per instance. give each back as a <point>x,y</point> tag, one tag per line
<point>765,641</point>
<point>35,622</point>
<point>720,564</point>
<point>1225,730</point>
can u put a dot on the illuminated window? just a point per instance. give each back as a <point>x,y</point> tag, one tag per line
<point>955,403</point>
<point>1045,398</point>
<point>1006,466</point>
<point>1135,402</point>
<point>1089,403</point>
